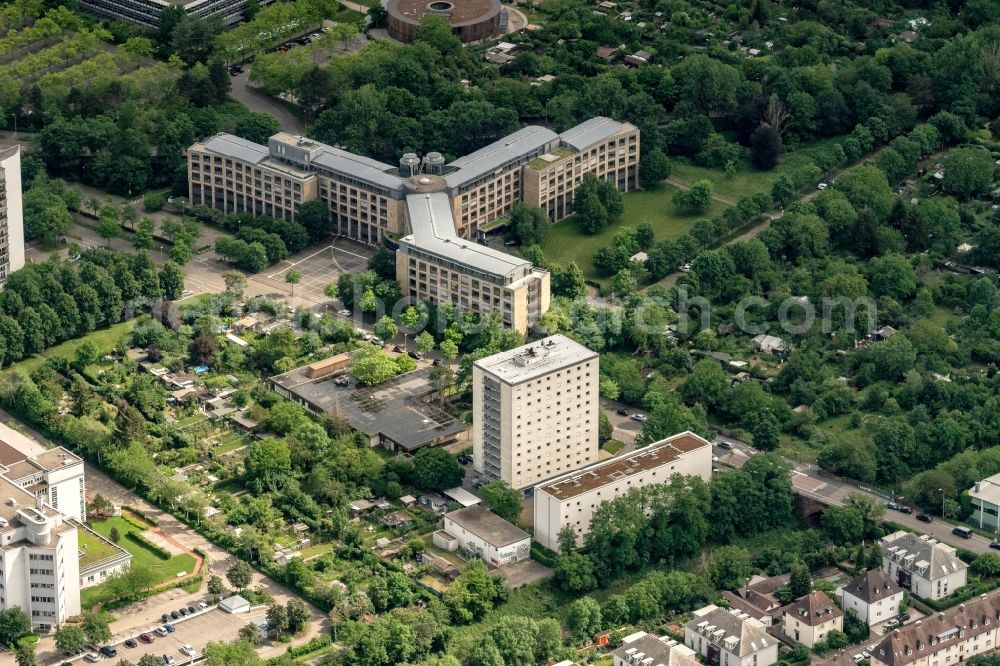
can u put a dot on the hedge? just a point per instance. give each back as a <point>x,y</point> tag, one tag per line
<point>962,594</point>
<point>141,514</point>
<point>159,551</point>
<point>542,555</point>
<point>314,645</point>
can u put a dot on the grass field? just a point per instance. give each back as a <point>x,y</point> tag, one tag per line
<point>167,570</point>
<point>566,242</point>
<point>105,338</point>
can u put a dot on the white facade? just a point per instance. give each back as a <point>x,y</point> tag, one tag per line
<point>573,498</point>
<point>810,619</point>
<point>39,559</point>
<point>922,565</point>
<point>486,534</point>
<point>11,213</point>
<point>873,597</point>
<point>55,476</point>
<point>535,411</point>
<point>730,638</point>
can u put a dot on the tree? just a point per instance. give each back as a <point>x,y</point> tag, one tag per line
<point>293,277</point>
<point>765,147</point>
<point>215,586</point>
<point>24,653</point>
<point>448,349</point>
<point>765,432</point>
<point>695,200</point>
<point>967,171</point>
<point>239,575</point>
<point>315,217</point>
<point>730,567</point>
<point>473,593</point>
<point>298,615</point>
<point>108,226</point>
<point>528,224</point>
<point>171,281</point>
<point>236,282</point>
<point>238,653</point>
<point>502,500</point>
<point>783,190</point>
<point>114,535</point>
<point>277,619</point>
<point>267,462</point>
<point>95,627</point>
<point>13,623</point>
<point>593,214</point>
<point>574,572</point>
<point>371,365</point>
<point>584,619</point>
<point>249,633</point>
<point>800,580</point>
<point>425,342</point>
<point>386,328</point>
<point>143,239</point>
<point>654,168</point>
<point>436,469</point>
<point>71,639</point>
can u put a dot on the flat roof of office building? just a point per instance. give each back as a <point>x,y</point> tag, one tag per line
<point>660,453</point>
<point>342,161</point>
<point>517,145</point>
<point>433,224</point>
<point>535,359</point>
<point>593,131</point>
<point>394,409</point>
<point>238,148</point>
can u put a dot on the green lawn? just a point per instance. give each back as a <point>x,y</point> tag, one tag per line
<point>566,242</point>
<point>105,338</point>
<point>142,556</point>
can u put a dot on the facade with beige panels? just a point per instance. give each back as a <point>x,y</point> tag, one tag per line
<point>534,410</point>
<point>572,499</point>
<point>428,205</point>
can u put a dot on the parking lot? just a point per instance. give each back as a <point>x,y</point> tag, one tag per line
<point>318,266</point>
<point>197,630</point>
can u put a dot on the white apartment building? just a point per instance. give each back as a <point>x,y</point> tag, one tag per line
<point>727,637</point>
<point>944,639</point>
<point>922,565</point>
<point>39,559</point>
<point>478,530</point>
<point>642,649</point>
<point>811,618</point>
<point>535,411</point>
<point>11,215</point>
<point>54,476</point>
<point>572,499</point>
<point>873,597</point>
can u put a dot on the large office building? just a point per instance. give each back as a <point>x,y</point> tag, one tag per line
<point>572,499</point>
<point>11,216</point>
<point>985,497</point>
<point>432,209</point>
<point>39,559</point>
<point>534,410</point>
<point>147,12</point>
<point>54,476</point>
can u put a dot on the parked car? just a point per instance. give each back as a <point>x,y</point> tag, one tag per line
<point>892,623</point>
<point>715,458</point>
<point>891,505</point>
<point>161,631</point>
<point>344,313</point>
<point>378,341</point>
<point>202,605</point>
<point>904,617</point>
<point>188,650</point>
<point>638,417</point>
<point>995,545</point>
<point>416,356</point>
<point>130,643</point>
<point>397,349</point>
<point>905,509</point>
<point>182,611</point>
<point>169,627</point>
<point>166,616</point>
<point>192,609</point>
<point>146,638</point>
<point>858,658</point>
<point>685,268</point>
<point>823,186</point>
<point>92,657</point>
<point>512,243</point>
<point>925,518</point>
<point>621,411</point>
<point>964,532</point>
<point>167,659</point>
<point>728,446</point>
<point>175,615</point>
<point>109,651</point>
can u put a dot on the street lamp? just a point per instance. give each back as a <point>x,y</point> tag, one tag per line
<point>941,490</point>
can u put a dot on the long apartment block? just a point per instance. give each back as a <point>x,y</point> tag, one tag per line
<point>147,12</point>
<point>535,411</point>
<point>434,210</point>
<point>573,498</point>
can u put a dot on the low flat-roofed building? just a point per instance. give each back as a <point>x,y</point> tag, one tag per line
<point>396,414</point>
<point>642,649</point>
<point>922,565</point>
<point>100,558</point>
<point>480,531</point>
<point>572,499</point>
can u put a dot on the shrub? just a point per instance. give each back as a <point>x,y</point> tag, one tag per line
<point>153,201</point>
<point>159,551</point>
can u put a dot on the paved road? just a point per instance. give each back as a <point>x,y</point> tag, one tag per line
<point>245,94</point>
<point>811,481</point>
